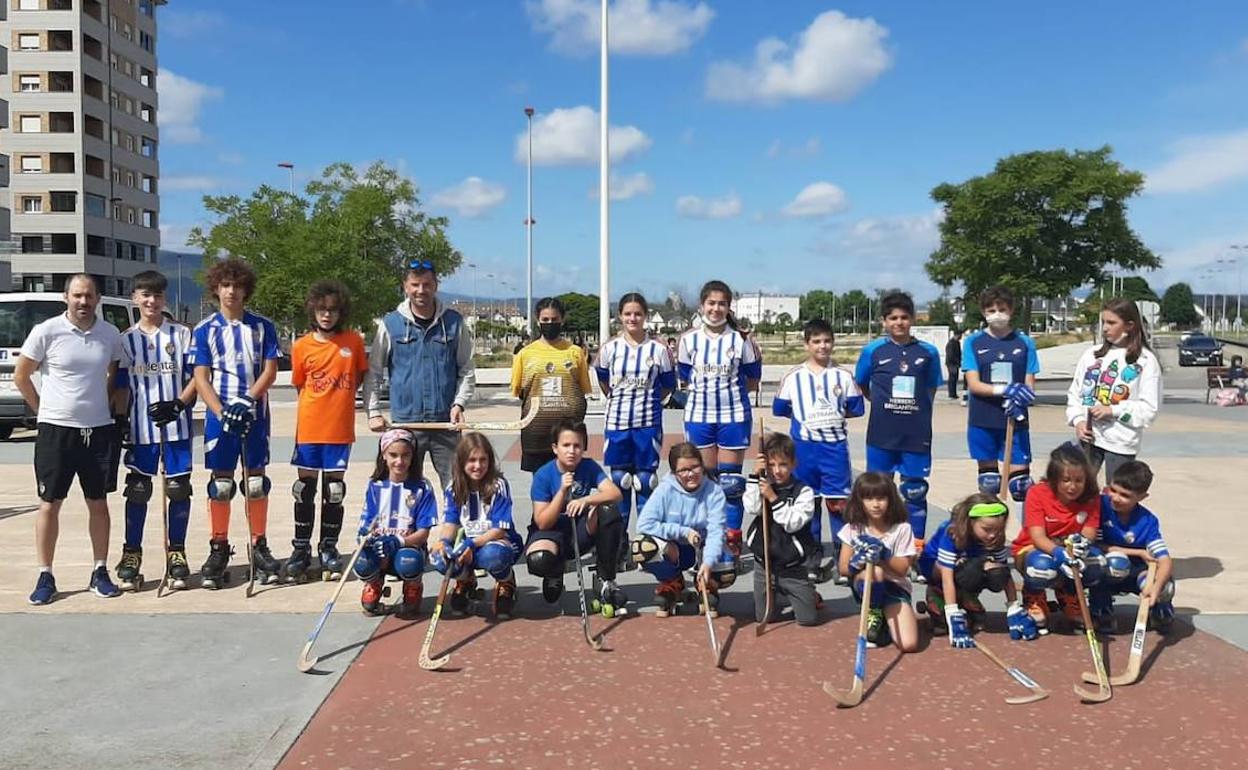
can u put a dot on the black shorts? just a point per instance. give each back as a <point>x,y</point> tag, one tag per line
<point>565,529</point>
<point>88,453</point>
<point>530,462</point>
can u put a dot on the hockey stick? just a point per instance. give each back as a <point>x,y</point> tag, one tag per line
<point>1037,692</point>
<point>164,508</point>
<point>1137,639</point>
<point>513,425</point>
<point>593,641</point>
<point>765,512</point>
<point>306,660</point>
<point>1009,455</point>
<point>1103,692</point>
<point>251,562</point>
<point>425,662</point>
<point>853,696</point>
<point>706,610</point>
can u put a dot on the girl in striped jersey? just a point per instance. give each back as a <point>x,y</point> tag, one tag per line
<point>160,394</point>
<point>721,367</point>
<point>636,374</point>
<point>399,510</point>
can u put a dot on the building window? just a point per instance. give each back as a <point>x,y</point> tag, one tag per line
<point>64,202</point>
<point>32,204</point>
<point>28,42</point>
<point>145,41</point>
<point>126,32</point>
<point>128,142</point>
<point>127,68</point>
<point>149,148</point>
<point>116,212</point>
<point>28,5</point>
<point>94,205</point>
<point>31,124</point>
<point>30,83</point>
<point>116,175</point>
<point>32,244</point>
<point>130,216</point>
<point>129,179</point>
<point>32,164</point>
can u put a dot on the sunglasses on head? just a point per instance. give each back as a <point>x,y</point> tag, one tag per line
<point>420,264</point>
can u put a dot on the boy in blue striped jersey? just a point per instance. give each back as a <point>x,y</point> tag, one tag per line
<point>160,395</point>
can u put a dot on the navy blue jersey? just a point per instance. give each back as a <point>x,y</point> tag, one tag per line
<point>940,549</point>
<point>998,362</point>
<point>1141,530</point>
<point>900,379</point>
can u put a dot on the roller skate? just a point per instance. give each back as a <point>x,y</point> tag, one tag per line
<point>215,572</point>
<point>918,577</point>
<point>101,584</point>
<point>505,597</point>
<point>129,574</point>
<point>935,604</point>
<point>466,591</point>
<point>370,597</point>
<point>1161,617</point>
<point>178,568</point>
<point>1037,606</point>
<point>610,601</point>
<point>552,589</point>
<point>669,595</point>
<point>409,607</point>
<point>1069,604</point>
<point>332,563</point>
<point>878,634</point>
<point>976,615</point>
<point>268,569</point>
<point>299,563</point>
<point>732,546</point>
<point>712,601</point>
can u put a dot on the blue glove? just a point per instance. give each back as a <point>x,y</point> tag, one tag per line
<point>1078,546</point>
<point>465,546</point>
<point>237,416</point>
<point>858,560</point>
<point>1020,394</point>
<point>385,546</point>
<point>1022,626</point>
<point>1013,409</point>
<point>959,633</point>
<point>876,550</point>
<point>1067,562</point>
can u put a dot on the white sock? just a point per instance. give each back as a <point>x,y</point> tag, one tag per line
<point>45,568</point>
<point>99,563</point>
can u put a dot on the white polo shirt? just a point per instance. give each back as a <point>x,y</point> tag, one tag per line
<point>73,370</point>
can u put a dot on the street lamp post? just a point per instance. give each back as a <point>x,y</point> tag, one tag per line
<point>1239,288</point>
<point>291,168</point>
<point>604,197</point>
<point>528,230</point>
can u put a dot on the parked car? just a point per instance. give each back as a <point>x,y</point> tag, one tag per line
<point>1200,350</point>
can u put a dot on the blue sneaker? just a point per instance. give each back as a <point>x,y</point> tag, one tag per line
<point>102,585</point>
<point>45,589</point>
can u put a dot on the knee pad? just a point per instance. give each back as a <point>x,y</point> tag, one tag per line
<point>723,574</point>
<point>496,558</point>
<point>1166,594</point>
<point>409,563</point>
<point>970,576</point>
<point>258,486</point>
<point>1039,571</point>
<point>622,478</point>
<point>178,488</point>
<point>304,491</point>
<point>222,488</point>
<point>138,487</point>
<point>989,482</point>
<point>367,565</point>
<point>914,492</point>
<point>995,580</point>
<point>1118,566</point>
<point>644,550</point>
<point>1019,484</point>
<point>1094,568</point>
<point>608,515</point>
<point>334,491</point>
<point>544,564</point>
<point>645,482</point>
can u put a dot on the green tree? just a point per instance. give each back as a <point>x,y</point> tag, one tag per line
<point>1179,307</point>
<point>361,229</point>
<point>940,313</point>
<point>816,303</point>
<point>784,322</point>
<point>582,312</point>
<point>1043,223</point>
<point>855,306</point>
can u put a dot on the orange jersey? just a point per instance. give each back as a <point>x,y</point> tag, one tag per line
<point>327,375</point>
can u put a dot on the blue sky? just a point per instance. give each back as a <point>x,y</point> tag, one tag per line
<point>779,146</point>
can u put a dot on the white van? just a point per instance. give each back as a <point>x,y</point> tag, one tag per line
<point>19,312</point>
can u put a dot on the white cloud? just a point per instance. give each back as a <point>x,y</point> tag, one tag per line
<point>182,23</point>
<point>818,199</point>
<point>899,236</point>
<point>624,187</point>
<point>181,100</point>
<point>808,149</point>
<point>174,236</point>
<point>641,27</point>
<point>199,183</point>
<point>568,136</point>
<point>1201,162</point>
<point>832,60</point>
<point>472,197</point>
<point>694,207</point>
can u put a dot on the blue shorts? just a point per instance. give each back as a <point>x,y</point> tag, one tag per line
<point>881,595</point>
<point>637,448</point>
<point>988,444</point>
<point>912,465</point>
<point>728,435</point>
<point>321,457</point>
<point>221,449</point>
<point>142,458</point>
<point>824,467</point>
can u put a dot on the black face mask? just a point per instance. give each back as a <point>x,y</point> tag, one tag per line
<point>551,330</point>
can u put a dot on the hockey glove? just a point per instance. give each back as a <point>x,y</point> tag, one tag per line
<point>1020,394</point>
<point>385,546</point>
<point>466,546</point>
<point>1078,546</point>
<point>164,412</point>
<point>237,416</point>
<point>858,560</point>
<point>1022,626</point>
<point>122,423</point>
<point>959,632</point>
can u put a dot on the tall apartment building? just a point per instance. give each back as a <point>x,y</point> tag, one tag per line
<point>81,140</point>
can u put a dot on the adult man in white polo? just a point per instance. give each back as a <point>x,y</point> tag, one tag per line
<point>76,355</point>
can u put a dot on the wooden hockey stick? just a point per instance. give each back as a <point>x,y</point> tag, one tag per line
<point>1104,692</point>
<point>593,641</point>
<point>706,610</point>
<point>251,562</point>
<point>425,662</point>
<point>513,425</point>
<point>1137,639</point>
<point>1003,493</point>
<point>853,696</point>
<point>306,659</point>
<point>765,512</point>
<point>164,510</point>
<point>1037,692</point>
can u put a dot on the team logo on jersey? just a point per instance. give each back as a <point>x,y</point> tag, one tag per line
<point>905,367</point>
<point>1081,517</point>
<point>837,391</point>
<point>567,364</point>
<point>410,500</point>
<point>344,352</point>
<point>550,367</point>
<point>1001,356</point>
<point>1129,537</point>
<point>169,348</point>
<point>649,362</point>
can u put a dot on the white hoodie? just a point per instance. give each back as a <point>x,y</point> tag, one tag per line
<point>1132,391</point>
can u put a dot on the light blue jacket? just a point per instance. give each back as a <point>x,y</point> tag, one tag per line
<point>671,510</point>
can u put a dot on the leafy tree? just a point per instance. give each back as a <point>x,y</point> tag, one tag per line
<point>361,229</point>
<point>1179,307</point>
<point>1042,223</point>
<point>816,303</point>
<point>940,313</point>
<point>582,312</point>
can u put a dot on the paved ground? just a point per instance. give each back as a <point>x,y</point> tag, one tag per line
<point>223,666</point>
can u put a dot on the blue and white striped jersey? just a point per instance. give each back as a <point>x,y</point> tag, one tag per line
<point>1141,530</point>
<point>477,517</point>
<point>236,352</point>
<point>716,367</point>
<point>159,368</point>
<point>399,508</point>
<point>818,403</point>
<point>636,374</point>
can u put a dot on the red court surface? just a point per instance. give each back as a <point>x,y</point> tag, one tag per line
<point>530,693</point>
